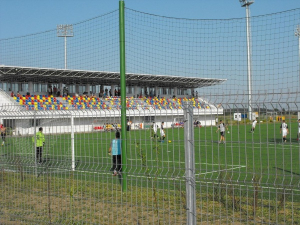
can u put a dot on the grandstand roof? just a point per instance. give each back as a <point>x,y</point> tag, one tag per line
<point>66,76</point>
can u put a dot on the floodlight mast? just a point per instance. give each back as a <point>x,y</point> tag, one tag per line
<point>65,31</point>
<point>297,34</point>
<point>246,4</point>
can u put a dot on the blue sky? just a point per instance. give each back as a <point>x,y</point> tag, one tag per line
<point>156,44</point>
<point>21,17</point>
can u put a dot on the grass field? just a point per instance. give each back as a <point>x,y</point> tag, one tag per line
<point>252,177</point>
<point>245,156</point>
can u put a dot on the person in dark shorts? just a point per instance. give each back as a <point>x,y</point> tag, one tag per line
<point>115,151</point>
<point>222,128</point>
<point>39,139</point>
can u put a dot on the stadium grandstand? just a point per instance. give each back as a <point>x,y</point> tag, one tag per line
<point>36,91</point>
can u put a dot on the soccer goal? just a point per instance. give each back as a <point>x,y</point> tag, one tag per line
<point>58,152</point>
<point>271,115</point>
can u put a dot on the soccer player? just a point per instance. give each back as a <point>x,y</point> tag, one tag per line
<point>162,132</point>
<point>253,125</point>
<point>154,130</point>
<point>222,128</point>
<point>284,129</point>
<point>298,135</point>
<point>115,150</point>
<point>3,133</point>
<point>128,125</point>
<point>39,139</point>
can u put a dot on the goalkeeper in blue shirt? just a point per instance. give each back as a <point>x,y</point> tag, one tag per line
<point>115,151</point>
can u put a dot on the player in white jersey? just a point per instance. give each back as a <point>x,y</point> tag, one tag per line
<point>284,129</point>
<point>253,125</point>
<point>154,130</point>
<point>162,132</point>
<point>222,128</point>
<point>298,135</point>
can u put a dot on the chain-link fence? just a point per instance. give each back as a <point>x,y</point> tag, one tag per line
<point>204,163</point>
<point>250,176</point>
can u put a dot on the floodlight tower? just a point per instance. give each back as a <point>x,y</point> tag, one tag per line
<point>246,4</point>
<point>65,31</point>
<point>297,34</point>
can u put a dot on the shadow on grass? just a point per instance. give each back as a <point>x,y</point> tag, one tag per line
<point>280,141</point>
<point>277,168</point>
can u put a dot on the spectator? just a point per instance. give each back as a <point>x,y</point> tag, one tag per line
<point>54,91</point>
<point>65,91</point>
<point>49,90</point>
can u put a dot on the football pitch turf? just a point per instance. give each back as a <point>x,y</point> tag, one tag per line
<point>244,158</point>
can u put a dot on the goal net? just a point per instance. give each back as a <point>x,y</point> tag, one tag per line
<point>20,145</point>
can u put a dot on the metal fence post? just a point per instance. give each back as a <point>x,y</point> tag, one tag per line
<point>72,143</point>
<point>189,164</point>
<point>34,135</point>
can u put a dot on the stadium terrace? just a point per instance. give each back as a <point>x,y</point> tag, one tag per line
<point>92,99</point>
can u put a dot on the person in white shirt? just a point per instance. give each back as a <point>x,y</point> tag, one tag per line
<point>128,125</point>
<point>298,135</point>
<point>222,128</point>
<point>284,130</point>
<point>253,125</point>
<point>162,132</point>
<point>154,130</point>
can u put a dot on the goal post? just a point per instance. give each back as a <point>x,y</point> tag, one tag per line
<point>59,131</point>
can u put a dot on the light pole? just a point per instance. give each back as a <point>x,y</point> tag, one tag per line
<point>65,31</point>
<point>246,4</point>
<point>297,34</point>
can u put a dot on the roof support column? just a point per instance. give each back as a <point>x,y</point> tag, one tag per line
<point>77,89</point>
<point>30,87</point>
<point>19,87</point>
<point>136,91</point>
<point>87,88</point>
<point>113,87</point>
<point>60,88</point>
<point>156,91</point>
<point>175,91</point>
